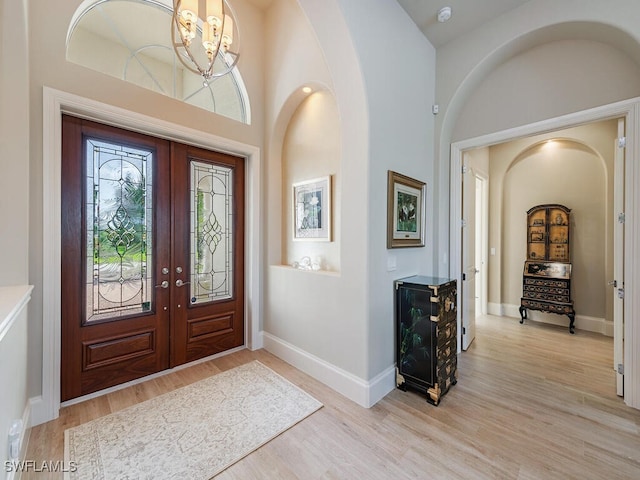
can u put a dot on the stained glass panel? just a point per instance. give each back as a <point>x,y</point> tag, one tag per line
<point>119,276</point>
<point>211,232</point>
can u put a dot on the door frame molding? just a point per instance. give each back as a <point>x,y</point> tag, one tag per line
<point>483,177</point>
<point>55,103</point>
<point>630,110</point>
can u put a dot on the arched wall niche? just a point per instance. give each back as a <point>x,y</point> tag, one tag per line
<point>573,167</point>
<point>279,184</point>
<point>312,149</point>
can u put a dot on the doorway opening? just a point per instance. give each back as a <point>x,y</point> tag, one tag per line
<point>616,184</point>
<point>56,102</point>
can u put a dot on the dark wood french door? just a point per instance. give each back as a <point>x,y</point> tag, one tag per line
<point>208,242</point>
<point>152,255</point>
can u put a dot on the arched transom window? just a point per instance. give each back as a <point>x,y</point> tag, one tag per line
<point>131,40</point>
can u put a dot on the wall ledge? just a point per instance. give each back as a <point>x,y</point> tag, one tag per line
<point>12,300</point>
<point>330,273</point>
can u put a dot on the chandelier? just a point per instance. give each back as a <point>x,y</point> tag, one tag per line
<point>202,32</point>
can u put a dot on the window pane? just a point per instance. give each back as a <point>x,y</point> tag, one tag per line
<point>108,37</point>
<point>211,232</point>
<point>119,225</point>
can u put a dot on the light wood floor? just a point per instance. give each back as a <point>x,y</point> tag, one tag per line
<point>532,402</point>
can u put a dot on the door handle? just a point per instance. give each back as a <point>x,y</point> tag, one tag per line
<point>180,283</point>
<point>164,284</point>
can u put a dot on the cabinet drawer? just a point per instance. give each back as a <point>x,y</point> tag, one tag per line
<point>547,297</point>
<point>447,349</point>
<point>446,368</point>
<point>544,282</point>
<point>549,307</point>
<point>546,289</point>
<point>445,332</point>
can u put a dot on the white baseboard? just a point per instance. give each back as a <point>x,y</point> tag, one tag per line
<point>582,322</point>
<point>25,435</point>
<point>608,328</point>
<point>39,412</point>
<point>16,473</point>
<point>495,309</point>
<point>363,392</point>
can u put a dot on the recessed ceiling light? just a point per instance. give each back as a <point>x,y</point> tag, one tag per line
<point>444,14</point>
<point>306,89</point>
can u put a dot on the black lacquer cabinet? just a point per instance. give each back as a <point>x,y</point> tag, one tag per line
<point>426,335</point>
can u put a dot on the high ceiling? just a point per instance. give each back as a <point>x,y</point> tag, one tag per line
<point>262,4</point>
<point>466,15</point>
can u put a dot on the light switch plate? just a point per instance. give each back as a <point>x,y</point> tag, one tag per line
<point>392,263</point>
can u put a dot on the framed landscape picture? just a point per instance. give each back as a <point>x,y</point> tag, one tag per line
<point>405,211</point>
<point>312,210</point>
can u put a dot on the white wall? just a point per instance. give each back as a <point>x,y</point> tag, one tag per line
<point>399,77</point>
<point>14,144</point>
<point>545,82</point>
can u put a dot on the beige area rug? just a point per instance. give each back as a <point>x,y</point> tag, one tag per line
<point>192,433</point>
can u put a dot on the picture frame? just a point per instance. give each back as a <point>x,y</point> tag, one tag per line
<point>311,213</point>
<point>406,200</point>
